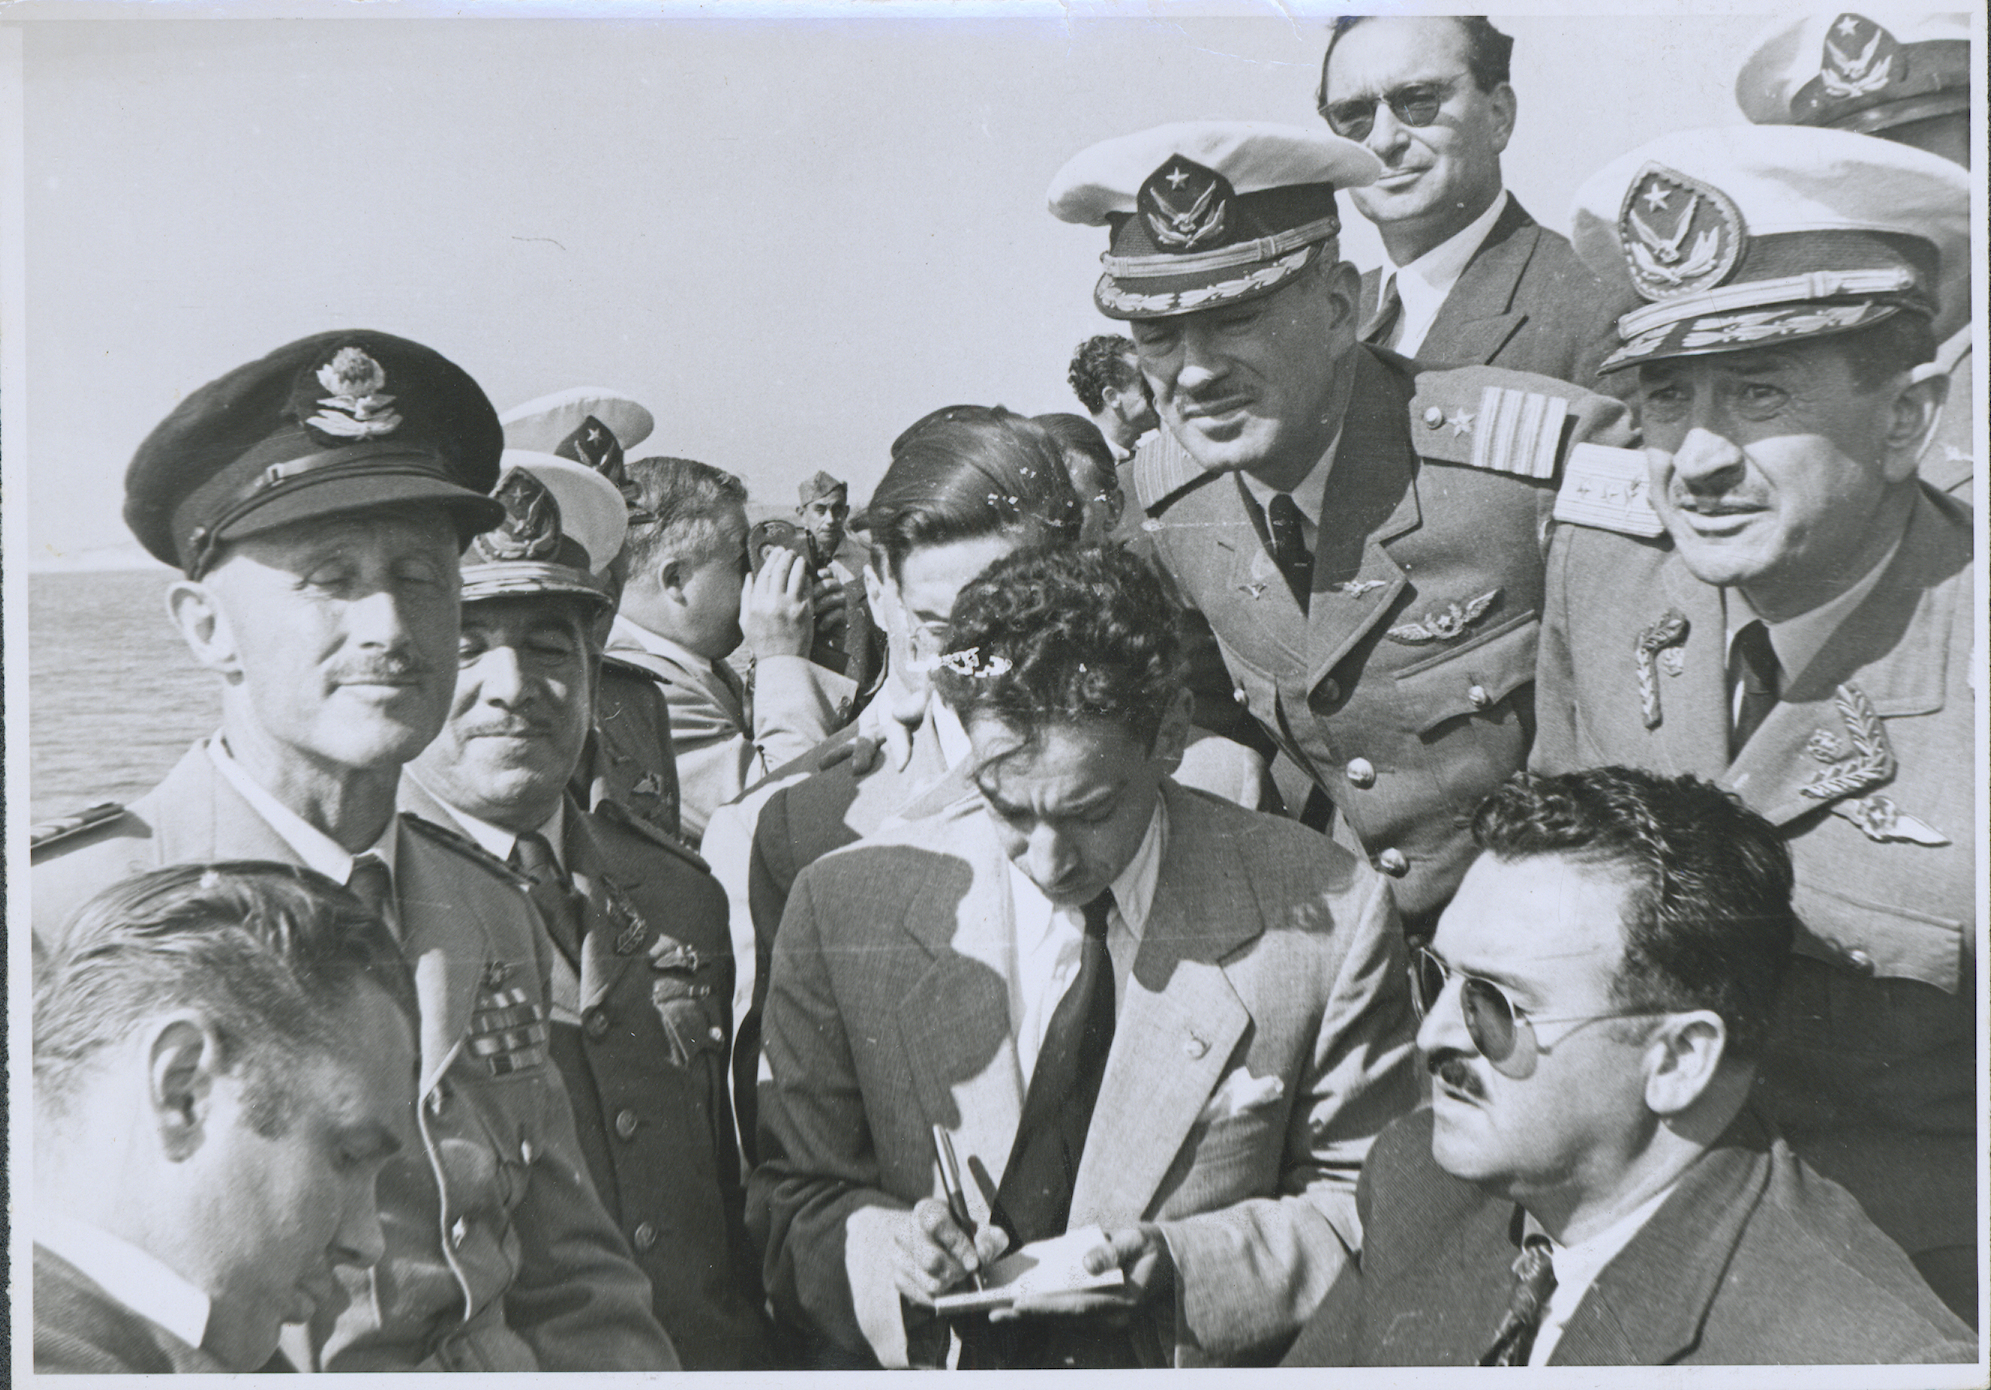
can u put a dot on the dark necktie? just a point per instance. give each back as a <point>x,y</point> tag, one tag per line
<point>1534,1281</point>
<point>1385,324</point>
<point>1289,546</point>
<point>551,892</point>
<point>1753,663</point>
<point>372,885</point>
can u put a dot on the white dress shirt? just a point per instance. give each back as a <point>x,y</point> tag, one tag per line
<point>1309,494</point>
<point>140,1281</point>
<point>1044,957</point>
<point>499,842</point>
<point>1426,282</point>
<point>1577,1267</point>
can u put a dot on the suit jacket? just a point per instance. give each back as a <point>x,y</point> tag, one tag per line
<point>646,1070</point>
<point>1405,693</point>
<point>1872,1068</point>
<point>1263,1039</point>
<point>498,1253</point>
<point>1753,1259</point>
<point>80,1329</point>
<point>1524,302</point>
<point>727,736</point>
<point>629,757</point>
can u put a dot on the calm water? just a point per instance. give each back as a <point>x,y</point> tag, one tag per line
<point>115,697</point>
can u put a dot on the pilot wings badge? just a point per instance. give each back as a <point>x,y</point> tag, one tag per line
<point>1185,205</point>
<point>1680,235</point>
<point>1858,58</point>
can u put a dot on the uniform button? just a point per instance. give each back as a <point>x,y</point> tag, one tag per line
<point>716,1033</point>
<point>1244,700</point>
<point>1330,691</point>
<point>1477,694</point>
<point>1362,772</point>
<point>1433,417</point>
<point>625,1124</point>
<point>1861,962</point>
<point>1195,1047</point>
<point>458,1232</point>
<point>644,1237</point>
<point>1392,862</point>
<point>597,1024</point>
<point>525,1152</point>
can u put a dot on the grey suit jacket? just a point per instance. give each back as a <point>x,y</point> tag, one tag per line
<point>81,1330</point>
<point>1263,1040</point>
<point>1754,1259</point>
<point>1524,302</point>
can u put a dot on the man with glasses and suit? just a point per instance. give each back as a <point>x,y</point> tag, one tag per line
<point>1589,1186</point>
<point>1471,279</point>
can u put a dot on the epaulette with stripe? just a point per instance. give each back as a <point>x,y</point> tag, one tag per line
<point>1610,489</point>
<point>63,828</point>
<point>627,819</point>
<point>1459,417</point>
<point>465,846</point>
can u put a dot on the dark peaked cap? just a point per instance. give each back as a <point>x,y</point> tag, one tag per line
<point>337,422</point>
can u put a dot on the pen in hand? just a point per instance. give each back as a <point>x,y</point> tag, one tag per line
<point>957,1200</point>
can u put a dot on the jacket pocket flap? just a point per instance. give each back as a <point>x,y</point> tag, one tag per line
<point>1471,677</point>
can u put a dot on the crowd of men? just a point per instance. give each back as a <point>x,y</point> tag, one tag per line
<point>1432,824</point>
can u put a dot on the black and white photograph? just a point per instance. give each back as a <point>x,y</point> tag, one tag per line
<point>1028,686</point>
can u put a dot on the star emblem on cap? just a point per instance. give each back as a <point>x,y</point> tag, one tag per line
<point>1181,229</point>
<point>531,528</point>
<point>1847,25</point>
<point>1177,178</point>
<point>1656,197</point>
<point>1690,252</point>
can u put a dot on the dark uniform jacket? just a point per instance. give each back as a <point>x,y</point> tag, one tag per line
<point>629,757</point>
<point>1524,302</point>
<point>498,1253</point>
<point>1752,1259</point>
<point>1865,766</point>
<point>81,1330</point>
<point>1405,693</point>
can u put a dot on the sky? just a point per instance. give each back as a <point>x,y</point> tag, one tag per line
<point>789,238</point>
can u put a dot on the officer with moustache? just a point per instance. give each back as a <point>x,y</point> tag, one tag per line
<point>1372,563</point>
<point>1791,617</point>
<point>315,502</point>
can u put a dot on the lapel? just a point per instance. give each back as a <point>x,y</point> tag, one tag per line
<point>1371,497</point>
<point>1254,584</point>
<point>953,1019</point>
<point>200,817</point>
<point>1892,650</point>
<point>607,908</point>
<point>1477,317</point>
<point>1179,1024</point>
<point>1649,1304</point>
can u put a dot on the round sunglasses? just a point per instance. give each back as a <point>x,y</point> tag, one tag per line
<point>1413,104</point>
<point>1502,1031</point>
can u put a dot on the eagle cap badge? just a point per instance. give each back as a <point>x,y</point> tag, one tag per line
<point>531,528</point>
<point>1185,204</point>
<point>1679,234</point>
<point>356,405</point>
<point>1858,57</point>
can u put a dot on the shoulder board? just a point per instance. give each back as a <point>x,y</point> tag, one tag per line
<point>623,818</point>
<point>611,662</point>
<point>1609,489</point>
<point>54,832</point>
<point>1163,472</point>
<point>1498,421</point>
<point>464,846</point>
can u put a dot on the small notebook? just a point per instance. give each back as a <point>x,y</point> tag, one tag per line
<point>1056,1265</point>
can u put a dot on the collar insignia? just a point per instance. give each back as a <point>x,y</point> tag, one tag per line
<point>1872,760</point>
<point>356,406</point>
<point>1680,235</point>
<point>531,528</point>
<point>1185,205</point>
<point>1879,819</point>
<point>1664,636</point>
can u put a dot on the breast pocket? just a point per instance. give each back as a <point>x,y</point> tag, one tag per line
<point>687,989</point>
<point>1480,678</point>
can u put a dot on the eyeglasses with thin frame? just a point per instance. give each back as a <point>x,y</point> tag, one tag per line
<point>1503,1031</point>
<point>1413,104</point>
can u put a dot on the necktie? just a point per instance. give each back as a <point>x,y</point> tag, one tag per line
<point>372,885</point>
<point>1289,546</point>
<point>551,893</point>
<point>1753,663</point>
<point>1386,325</point>
<point>1534,1281</point>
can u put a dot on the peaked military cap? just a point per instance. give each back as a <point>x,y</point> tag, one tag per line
<point>1755,234</point>
<point>588,424</point>
<point>1205,213</point>
<point>563,523</point>
<point>1857,70</point>
<point>337,422</point>
<point>822,485</point>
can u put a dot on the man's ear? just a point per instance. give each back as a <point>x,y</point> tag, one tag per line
<point>182,1060</point>
<point>1505,107</point>
<point>1173,735</point>
<point>1915,412</point>
<point>672,572</point>
<point>1342,283</point>
<point>196,611</point>
<point>1682,1059</point>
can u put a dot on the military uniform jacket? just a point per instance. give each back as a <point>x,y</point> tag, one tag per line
<point>1865,766</point>
<point>646,1069</point>
<point>498,1253</point>
<point>1405,692</point>
<point>629,757</point>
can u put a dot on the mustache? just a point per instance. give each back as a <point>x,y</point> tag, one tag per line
<point>505,728</point>
<point>1455,1071</point>
<point>388,669</point>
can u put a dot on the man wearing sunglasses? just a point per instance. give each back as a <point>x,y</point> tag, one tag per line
<point>1589,1186</point>
<point>1471,277</point>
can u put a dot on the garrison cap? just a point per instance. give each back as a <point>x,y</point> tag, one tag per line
<point>563,523</point>
<point>822,485</point>
<point>1205,213</point>
<point>588,424</point>
<point>1752,234</point>
<point>338,422</point>
<point>1857,70</point>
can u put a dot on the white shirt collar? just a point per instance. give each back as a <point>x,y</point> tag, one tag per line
<point>499,842</point>
<point>317,849</point>
<point>1424,284</point>
<point>140,1281</point>
<point>1578,1266</point>
<point>948,733</point>
<point>657,644</point>
<point>1308,494</point>
<point>1798,641</point>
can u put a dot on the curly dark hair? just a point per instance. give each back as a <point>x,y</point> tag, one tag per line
<point>1099,363</point>
<point>1709,924</point>
<point>1047,636</point>
<point>1489,53</point>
